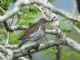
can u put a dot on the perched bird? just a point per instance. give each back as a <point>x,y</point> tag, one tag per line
<point>34,32</point>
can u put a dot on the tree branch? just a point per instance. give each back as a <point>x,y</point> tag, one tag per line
<point>70,42</point>
<point>60,12</point>
<point>23,51</point>
<point>53,9</point>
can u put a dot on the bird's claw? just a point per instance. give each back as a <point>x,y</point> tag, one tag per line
<point>29,53</point>
<point>36,47</point>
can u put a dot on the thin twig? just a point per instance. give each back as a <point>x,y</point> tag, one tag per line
<point>8,38</point>
<point>57,52</point>
<point>77,29</point>
<point>2,10</point>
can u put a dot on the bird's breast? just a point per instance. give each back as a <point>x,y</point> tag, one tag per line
<point>36,35</point>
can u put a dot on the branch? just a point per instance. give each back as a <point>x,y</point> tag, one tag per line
<point>5,25</point>
<point>23,51</point>
<point>2,57</point>
<point>18,27</point>
<point>6,54</point>
<point>77,29</point>
<point>8,38</point>
<point>64,41</point>
<point>17,5</point>
<point>23,58</point>
<point>70,42</point>
<point>27,2</point>
<point>60,12</point>
<point>2,10</point>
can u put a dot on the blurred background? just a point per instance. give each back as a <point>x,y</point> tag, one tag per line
<point>30,14</point>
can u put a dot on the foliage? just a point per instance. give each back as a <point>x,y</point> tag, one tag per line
<point>13,38</point>
<point>2,34</point>
<point>29,15</point>
<point>78,24</point>
<point>66,25</point>
<point>4,4</point>
<point>69,55</point>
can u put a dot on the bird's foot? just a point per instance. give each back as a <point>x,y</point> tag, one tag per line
<point>29,53</point>
<point>36,47</point>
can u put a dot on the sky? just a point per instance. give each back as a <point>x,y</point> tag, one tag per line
<point>64,4</point>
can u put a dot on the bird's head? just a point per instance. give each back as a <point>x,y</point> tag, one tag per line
<point>43,20</point>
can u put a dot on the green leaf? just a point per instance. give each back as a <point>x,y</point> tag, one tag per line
<point>66,25</point>
<point>2,34</point>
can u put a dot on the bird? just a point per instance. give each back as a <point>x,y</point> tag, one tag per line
<point>34,32</point>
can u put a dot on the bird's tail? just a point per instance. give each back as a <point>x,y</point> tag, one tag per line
<point>21,38</point>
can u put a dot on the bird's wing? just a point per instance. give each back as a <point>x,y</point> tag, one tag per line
<point>29,31</point>
<point>35,32</point>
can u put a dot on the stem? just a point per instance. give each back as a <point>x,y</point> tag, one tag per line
<point>57,52</point>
